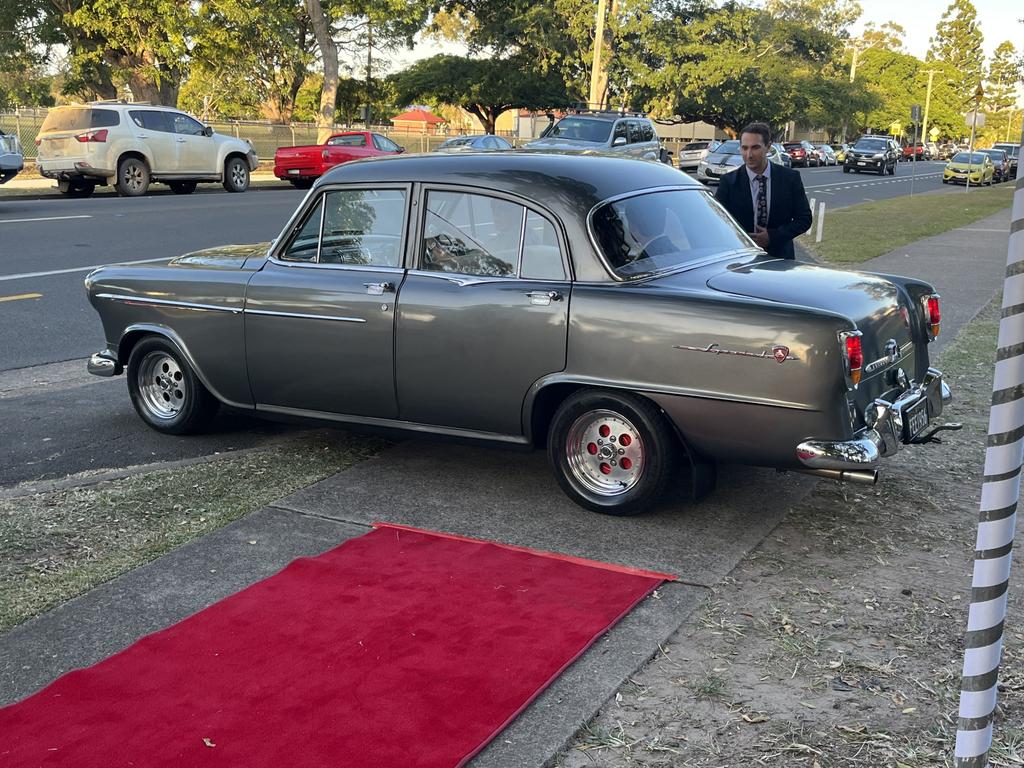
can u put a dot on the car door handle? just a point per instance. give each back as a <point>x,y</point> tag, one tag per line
<point>180,141</point>
<point>376,289</point>
<point>543,298</point>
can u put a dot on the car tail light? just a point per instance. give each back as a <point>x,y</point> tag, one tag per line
<point>853,356</point>
<point>932,314</point>
<point>92,136</point>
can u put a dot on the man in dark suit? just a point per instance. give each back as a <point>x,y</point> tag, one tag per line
<point>767,200</point>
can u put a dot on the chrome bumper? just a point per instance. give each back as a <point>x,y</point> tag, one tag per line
<point>105,363</point>
<point>884,434</point>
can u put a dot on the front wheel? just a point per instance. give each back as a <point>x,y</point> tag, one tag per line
<point>165,391</point>
<point>845,169</point>
<point>182,187</point>
<point>612,452</point>
<point>236,175</point>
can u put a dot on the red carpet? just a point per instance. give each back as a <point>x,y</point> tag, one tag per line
<point>398,648</point>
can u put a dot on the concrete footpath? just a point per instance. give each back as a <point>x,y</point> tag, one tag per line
<point>489,494</point>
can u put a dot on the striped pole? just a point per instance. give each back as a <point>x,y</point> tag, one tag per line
<point>1000,492</point>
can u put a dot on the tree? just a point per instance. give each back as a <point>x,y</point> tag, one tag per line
<point>483,87</point>
<point>1005,73</point>
<point>957,42</point>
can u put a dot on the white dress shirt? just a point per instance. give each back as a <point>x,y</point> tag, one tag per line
<point>754,186</point>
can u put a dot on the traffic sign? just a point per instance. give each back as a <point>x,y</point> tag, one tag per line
<point>915,113</point>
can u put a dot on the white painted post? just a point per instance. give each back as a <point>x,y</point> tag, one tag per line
<point>812,202</point>
<point>821,222</point>
<point>1000,494</point>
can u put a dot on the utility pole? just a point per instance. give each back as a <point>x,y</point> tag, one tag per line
<point>599,68</point>
<point>927,103</point>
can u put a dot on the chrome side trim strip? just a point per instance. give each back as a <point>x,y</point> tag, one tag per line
<point>147,300</point>
<point>411,426</point>
<point>302,316</point>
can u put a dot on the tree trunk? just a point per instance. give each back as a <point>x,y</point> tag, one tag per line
<point>329,54</point>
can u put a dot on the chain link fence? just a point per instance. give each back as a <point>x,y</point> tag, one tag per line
<point>265,137</point>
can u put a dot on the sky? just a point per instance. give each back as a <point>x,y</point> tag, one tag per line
<point>997,19</point>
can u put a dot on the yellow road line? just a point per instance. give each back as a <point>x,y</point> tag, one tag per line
<point>22,296</point>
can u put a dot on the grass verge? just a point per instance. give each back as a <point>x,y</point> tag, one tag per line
<point>54,546</point>
<point>853,234</point>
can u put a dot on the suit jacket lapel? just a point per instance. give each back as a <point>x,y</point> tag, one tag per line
<point>776,185</point>
<point>746,206</point>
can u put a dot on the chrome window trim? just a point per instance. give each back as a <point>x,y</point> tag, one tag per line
<point>660,273</point>
<point>347,267</point>
<point>522,241</point>
<point>168,303</point>
<point>303,316</point>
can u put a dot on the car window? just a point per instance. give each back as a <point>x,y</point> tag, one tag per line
<point>647,130</point>
<point>384,144</point>
<point>150,119</point>
<point>76,119</point>
<point>657,231</point>
<point>695,145</point>
<point>542,258</point>
<point>471,234</point>
<point>621,130</point>
<point>968,157</point>
<point>356,140</point>
<point>363,227</point>
<point>731,147</point>
<point>872,145</point>
<point>306,243</point>
<point>581,129</point>
<point>500,143</point>
<point>183,124</point>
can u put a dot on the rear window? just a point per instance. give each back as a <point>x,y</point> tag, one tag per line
<point>79,119</point>
<point>660,231</point>
<point>697,145</point>
<point>1012,150</point>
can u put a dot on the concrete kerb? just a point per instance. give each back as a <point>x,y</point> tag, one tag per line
<point>696,541</point>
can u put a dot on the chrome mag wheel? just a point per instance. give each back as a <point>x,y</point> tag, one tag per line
<point>605,452</point>
<point>162,386</point>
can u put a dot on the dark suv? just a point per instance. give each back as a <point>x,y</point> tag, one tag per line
<point>1013,151</point>
<point>872,153</point>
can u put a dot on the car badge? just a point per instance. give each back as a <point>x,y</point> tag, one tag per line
<point>892,354</point>
<point>780,353</point>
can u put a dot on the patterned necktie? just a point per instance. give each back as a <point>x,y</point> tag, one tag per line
<point>762,201</point>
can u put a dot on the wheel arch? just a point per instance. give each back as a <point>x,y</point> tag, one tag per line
<point>228,156</point>
<point>135,333</point>
<point>136,153</point>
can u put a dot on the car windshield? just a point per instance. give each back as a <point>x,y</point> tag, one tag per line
<point>661,231</point>
<point>78,119</point>
<point>967,157</point>
<point>696,145</point>
<point>872,145</point>
<point>731,147</point>
<point>581,129</point>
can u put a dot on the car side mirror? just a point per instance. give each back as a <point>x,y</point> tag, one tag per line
<point>619,141</point>
<point>207,131</point>
<point>401,150</point>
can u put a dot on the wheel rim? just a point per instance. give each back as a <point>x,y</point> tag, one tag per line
<point>238,174</point>
<point>162,385</point>
<point>605,453</point>
<point>132,176</point>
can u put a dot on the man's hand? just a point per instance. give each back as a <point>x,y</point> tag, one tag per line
<point>760,236</point>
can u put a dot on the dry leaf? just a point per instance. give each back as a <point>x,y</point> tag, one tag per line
<point>908,710</point>
<point>754,718</point>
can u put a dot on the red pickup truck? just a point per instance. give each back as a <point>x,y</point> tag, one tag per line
<point>302,165</point>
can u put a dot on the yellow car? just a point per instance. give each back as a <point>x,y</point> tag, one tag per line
<point>976,164</point>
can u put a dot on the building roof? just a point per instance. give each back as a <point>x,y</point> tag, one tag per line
<point>419,116</point>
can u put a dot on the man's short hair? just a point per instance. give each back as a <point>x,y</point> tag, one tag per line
<point>760,128</point>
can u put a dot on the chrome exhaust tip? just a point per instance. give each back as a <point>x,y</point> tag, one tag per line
<point>859,476</point>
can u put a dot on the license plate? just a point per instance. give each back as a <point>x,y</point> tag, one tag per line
<point>915,419</point>
<point>861,163</point>
<point>293,171</point>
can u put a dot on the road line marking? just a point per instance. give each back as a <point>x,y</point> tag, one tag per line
<point>44,218</point>
<point>26,275</point>
<point>21,296</point>
<point>1003,231</point>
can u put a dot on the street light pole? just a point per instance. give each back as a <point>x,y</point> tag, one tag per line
<point>970,148</point>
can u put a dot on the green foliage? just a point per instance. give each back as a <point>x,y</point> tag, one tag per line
<point>1005,74</point>
<point>483,87</point>
<point>26,87</point>
<point>957,42</point>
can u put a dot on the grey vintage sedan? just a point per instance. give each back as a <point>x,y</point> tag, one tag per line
<point>605,308</point>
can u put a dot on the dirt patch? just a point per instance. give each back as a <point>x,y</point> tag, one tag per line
<point>839,640</point>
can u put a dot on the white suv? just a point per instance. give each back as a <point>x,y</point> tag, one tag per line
<point>130,145</point>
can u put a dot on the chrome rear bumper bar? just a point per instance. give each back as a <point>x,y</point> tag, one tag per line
<point>884,434</point>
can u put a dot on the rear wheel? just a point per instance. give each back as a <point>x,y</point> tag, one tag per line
<point>612,452</point>
<point>182,187</point>
<point>236,175</point>
<point>165,391</point>
<point>132,177</point>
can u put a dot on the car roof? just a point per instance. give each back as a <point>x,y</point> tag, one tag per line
<point>566,183</point>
